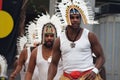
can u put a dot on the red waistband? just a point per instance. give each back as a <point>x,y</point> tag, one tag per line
<point>75,74</point>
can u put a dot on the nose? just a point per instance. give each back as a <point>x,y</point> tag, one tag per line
<point>50,37</point>
<point>75,19</point>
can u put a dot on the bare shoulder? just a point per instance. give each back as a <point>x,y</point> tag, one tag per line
<point>23,57</point>
<point>34,52</point>
<point>57,42</point>
<point>23,54</point>
<point>92,37</point>
<point>24,51</point>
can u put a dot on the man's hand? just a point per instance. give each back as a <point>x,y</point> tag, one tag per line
<point>90,76</point>
<point>12,77</point>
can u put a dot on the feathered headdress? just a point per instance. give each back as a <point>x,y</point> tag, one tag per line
<point>21,41</point>
<point>32,33</point>
<point>34,30</point>
<point>3,66</point>
<point>29,38</point>
<point>45,24</point>
<point>63,11</point>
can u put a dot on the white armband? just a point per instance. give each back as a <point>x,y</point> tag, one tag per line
<point>95,70</point>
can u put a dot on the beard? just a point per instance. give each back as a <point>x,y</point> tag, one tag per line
<point>48,44</point>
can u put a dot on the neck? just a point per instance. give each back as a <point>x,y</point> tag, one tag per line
<point>46,48</point>
<point>72,35</point>
<point>73,30</point>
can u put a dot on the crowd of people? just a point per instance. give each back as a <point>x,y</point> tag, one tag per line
<point>63,53</point>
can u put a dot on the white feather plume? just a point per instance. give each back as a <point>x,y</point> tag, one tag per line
<point>21,41</point>
<point>61,7</point>
<point>3,66</point>
<point>57,23</point>
<point>85,7</point>
<point>31,31</point>
<point>34,29</point>
<point>44,19</point>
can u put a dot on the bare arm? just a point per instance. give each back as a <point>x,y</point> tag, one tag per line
<point>20,63</point>
<point>31,66</point>
<point>55,59</point>
<point>97,50</point>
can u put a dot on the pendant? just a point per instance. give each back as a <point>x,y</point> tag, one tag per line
<point>72,45</point>
<point>49,59</point>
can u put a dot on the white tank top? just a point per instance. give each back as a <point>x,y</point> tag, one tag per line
<point>24,68</point>
<point>78,58</point>
<point>43,66</point>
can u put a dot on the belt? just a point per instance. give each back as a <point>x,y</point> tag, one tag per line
<point>74,75</point>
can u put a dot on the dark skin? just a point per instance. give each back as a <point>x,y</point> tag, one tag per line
<point>72,31</point>
<point>46,53</point>
<point>20,62</point>
<point>102,71</point>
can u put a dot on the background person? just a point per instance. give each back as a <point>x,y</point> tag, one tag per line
<point>24,56</point>
<point>3,68</point>
<point>41,56</point>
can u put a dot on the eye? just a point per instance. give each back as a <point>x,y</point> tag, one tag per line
<point>71,17</point>
<point>49,35</point>
<point>77,17</point>
<point>46,35</point>
<point>52,35</point>
<point>74,17</point>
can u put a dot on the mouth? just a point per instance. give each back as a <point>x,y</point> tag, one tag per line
<point>75,25</point>
<point>49,42</point>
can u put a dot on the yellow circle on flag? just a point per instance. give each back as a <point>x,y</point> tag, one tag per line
<point>6,24</point>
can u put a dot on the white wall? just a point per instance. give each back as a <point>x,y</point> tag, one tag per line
<point>108,32</point>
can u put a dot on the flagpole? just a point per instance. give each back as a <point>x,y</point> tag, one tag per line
<point>1,4</point>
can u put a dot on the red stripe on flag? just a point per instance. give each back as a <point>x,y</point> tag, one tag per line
<point>1,4</point>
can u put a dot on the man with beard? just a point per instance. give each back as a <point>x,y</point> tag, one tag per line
<point>41,56</point>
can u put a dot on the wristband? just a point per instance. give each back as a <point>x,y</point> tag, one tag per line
<point>95,70</point>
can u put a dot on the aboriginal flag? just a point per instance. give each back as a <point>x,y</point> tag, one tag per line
<point>0,4</point>
<point>8,46</point>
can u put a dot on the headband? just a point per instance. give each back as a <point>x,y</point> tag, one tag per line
<point>66,7</point>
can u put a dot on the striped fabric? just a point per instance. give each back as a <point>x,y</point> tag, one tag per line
<point>82,78</point>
